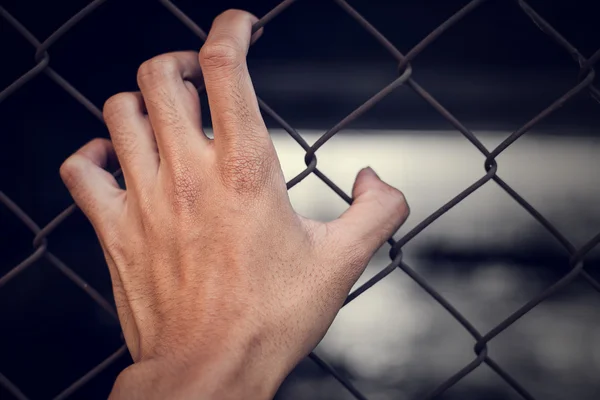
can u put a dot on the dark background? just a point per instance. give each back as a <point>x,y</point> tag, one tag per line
<point>314,64</point>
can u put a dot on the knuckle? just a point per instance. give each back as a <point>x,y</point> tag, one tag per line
<point>185,184</point>
<point>222,53</point>
<point>397,202</point>
<point>247,171</point>
<point>158,68</point>
<point>119,106</point>
<point>70,172</point>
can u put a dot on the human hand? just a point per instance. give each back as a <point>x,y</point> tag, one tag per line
<point>221,288</point>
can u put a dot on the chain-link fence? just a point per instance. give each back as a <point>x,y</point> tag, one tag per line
<point>572,270</point>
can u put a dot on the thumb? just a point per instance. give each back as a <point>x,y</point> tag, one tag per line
<point>376,213</point>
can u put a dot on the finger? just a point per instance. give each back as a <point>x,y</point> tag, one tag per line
<point>132,138</point>
<point>376,213</point>
<point>168,84</point>
<point>95,191</point>
<point>235,114</point>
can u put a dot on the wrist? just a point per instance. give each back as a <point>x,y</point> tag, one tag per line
<point>225,375</point>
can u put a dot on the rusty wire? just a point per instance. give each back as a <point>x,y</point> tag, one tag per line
<point>574,269</point>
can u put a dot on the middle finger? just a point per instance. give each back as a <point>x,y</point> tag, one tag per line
<point>168,84</point>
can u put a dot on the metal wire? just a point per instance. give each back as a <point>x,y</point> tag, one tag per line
<point>573,270</point>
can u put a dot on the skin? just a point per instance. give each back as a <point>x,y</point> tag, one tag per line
<point>221,288</point>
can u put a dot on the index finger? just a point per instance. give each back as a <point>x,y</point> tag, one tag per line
<point>233,105</point>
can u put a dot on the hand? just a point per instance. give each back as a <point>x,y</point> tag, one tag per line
<point>221,287</point>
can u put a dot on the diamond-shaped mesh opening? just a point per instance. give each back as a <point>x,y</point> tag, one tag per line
<point>496,56</point>
<point>37,308</point>
<point>15,230</point>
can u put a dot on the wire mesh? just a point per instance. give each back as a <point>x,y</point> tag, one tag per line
<point>574,269</point>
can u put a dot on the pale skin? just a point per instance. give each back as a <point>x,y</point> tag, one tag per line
<point>221,288</point>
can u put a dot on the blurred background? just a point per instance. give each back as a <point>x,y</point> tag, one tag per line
<point>494,70</point>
